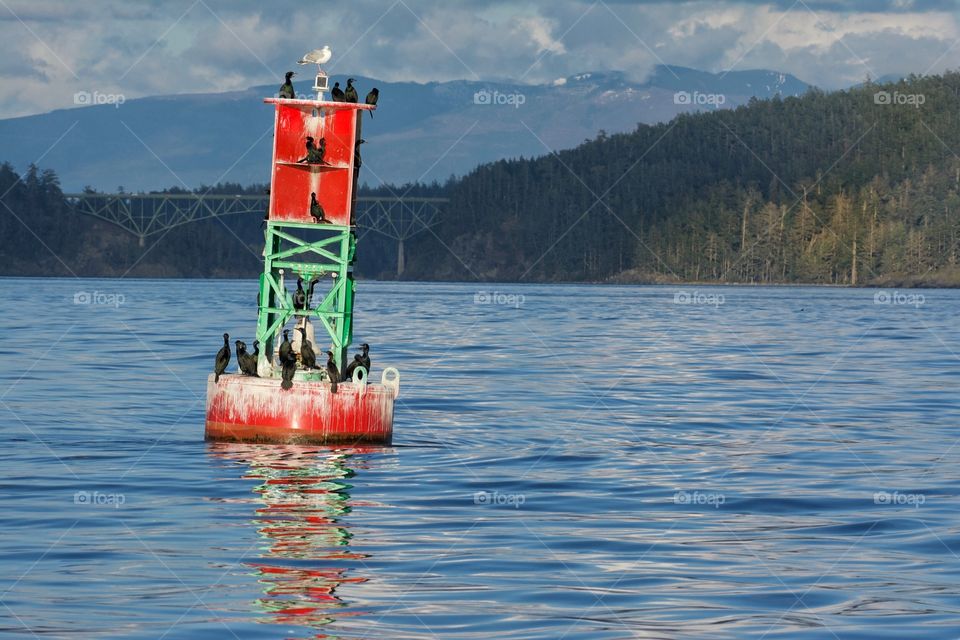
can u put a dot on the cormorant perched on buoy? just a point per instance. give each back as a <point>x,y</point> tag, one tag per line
<point>348,374</point>
<point>372,98</point>
<point>365,356</point>
<point>288,370</point>
<point>316,209</point>
<point>350,95</point>
<point>223,358</point>
<point>300,297</point>
<point>332,372</point>
<point>336,93</point>
<point>357,160</point>
<point>286,89</point>
<point>313,282</point>
<point>256,354</point>
<point>285,348</point>
<point>307,357</point>
<point>247,362</point>
<point>315,153</point>
<point>241,350</point>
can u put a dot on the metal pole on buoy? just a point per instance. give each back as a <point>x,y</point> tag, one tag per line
<point>310,236</point>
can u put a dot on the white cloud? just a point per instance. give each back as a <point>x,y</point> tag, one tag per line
<point>158,47</point>
<point>539,30</point>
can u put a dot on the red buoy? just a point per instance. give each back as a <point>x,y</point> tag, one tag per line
<point>310,236</point>
<point>245,409</point>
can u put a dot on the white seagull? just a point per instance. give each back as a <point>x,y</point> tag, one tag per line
<point>317,56</point>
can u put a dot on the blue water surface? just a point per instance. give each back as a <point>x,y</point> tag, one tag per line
<point>569,462</point>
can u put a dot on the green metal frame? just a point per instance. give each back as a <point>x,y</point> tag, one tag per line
<point>331,255</point>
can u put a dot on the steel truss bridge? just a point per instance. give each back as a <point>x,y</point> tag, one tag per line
<point>146,214</point>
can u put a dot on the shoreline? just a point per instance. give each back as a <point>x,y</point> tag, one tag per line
<point>892,283</point>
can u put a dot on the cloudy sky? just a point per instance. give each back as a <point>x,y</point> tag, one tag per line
<point>53,49</point>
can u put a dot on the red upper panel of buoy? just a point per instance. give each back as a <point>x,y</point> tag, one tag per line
<point>293,181</point>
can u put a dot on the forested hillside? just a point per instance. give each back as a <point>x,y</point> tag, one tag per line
<point>40,235</point>
<point>860,187</point>
<point>847,187</point>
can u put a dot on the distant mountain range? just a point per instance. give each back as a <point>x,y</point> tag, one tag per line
<point>420,132</point>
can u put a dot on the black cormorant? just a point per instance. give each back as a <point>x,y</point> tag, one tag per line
<point>285,348</point>
<point>350,95</point>
<point>313,282</point>
<point>332,372</point>
<point>316,209</point>
<point>289,368</point>
<point>372,98</point>
<point>357,160</point>
<point>286,89</point>
<point>300,297</point>
<point>223,358</point>
<point>248,363</point>
<point>315,153</point>
<point>348,374</point>
<point>241,350</point>
<point>307,357</point>
<point>365,356</point>
<point>336,93</point>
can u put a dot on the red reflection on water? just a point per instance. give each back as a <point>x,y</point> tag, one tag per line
<point>306,556</point>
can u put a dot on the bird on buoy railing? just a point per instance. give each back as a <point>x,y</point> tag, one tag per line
<point>223,358</point>
<point>348,373</point>
<point>350,94</point>
<point>317,56</point>
<point>336,94</point>
<point>286,89</point>
<point>372,98</point>
<point>365,356</point>
<point>332,372</point>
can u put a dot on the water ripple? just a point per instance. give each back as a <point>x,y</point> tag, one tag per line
<point>593,463</point>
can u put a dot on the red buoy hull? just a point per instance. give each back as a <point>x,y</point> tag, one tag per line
<point>247,409</point>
